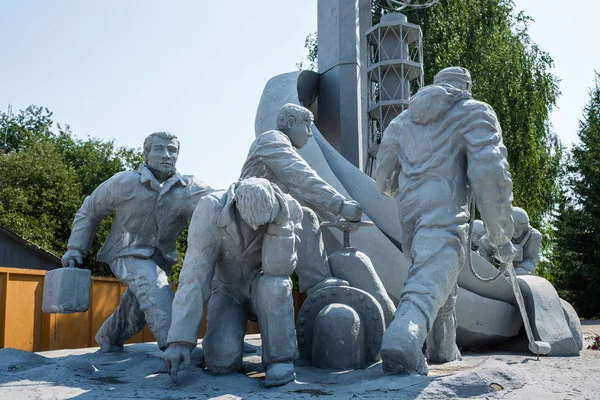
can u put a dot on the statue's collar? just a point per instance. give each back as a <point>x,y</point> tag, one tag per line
<point>148,178</point>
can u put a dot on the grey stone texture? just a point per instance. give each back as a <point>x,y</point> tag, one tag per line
<point>242,249</point>
<point>382,242</point>
<point>431,157</point>
<point>342,52</point>
<point>339,338</point>
<point>151,207</point>
<point>547,316</point>
<point>66,290</point>
<point>527,241</point>
<point>310,316</point>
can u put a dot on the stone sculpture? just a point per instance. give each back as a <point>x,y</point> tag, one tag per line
<point>527,241</point>
<point>243,240</point>
<point>273,155</point>
<point>446,148</point>
<point>477,233</point>
<point>151,207</point>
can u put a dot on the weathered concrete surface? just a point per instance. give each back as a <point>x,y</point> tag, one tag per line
<point>138,373</point>
<point>545,312</point>
<point>478,327</point>
<point>67,290</point>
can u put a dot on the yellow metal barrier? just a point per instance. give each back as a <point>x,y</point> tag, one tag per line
<point>24,326</point>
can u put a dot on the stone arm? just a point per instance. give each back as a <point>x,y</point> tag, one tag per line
<point>302,181</point>
<point>531,252</point>
<point>388,164</point>
<point>196,275</point>
<point>95,208</point>
<point>489,174</point>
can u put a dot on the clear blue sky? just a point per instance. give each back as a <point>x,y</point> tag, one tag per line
<point>123,69</point>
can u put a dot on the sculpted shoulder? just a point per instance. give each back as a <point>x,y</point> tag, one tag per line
<point>273,136</point>
<point>194,182</point>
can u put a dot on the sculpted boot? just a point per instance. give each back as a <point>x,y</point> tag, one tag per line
<point>278,374</point>
<point>401,348</point>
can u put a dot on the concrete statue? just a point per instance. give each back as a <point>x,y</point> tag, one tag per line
<point>151,207</point>
<point>477,233</point>
<point>434,157</point>
<point>273,155</point>
<point>241,252</point>
<point>527,241</point>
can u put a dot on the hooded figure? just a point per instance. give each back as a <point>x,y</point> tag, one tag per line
<point>434,157</point>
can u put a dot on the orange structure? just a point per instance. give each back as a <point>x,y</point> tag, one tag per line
<point>24,326</point>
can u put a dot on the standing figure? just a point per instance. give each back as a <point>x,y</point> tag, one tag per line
<point>241,252</point>
<point>151,207</point>
<point>527,241</point>
<point>446,148</point>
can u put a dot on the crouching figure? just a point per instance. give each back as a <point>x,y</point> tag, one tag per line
<point>241,252</point>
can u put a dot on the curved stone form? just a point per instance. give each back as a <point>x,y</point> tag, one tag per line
<point>362,302</point>
<point>339,338</point>
<point>477,326</point>
<point>547,316</point>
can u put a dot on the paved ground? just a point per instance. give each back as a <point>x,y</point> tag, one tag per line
<point>138,373</point>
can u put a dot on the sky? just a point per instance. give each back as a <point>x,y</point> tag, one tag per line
<point>121,69</point>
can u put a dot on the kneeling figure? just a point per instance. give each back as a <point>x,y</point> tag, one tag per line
<point>241,252</point>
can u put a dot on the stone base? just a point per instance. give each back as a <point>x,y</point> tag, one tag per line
<point>139,372</point>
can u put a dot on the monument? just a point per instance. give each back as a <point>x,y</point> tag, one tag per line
<point>242,250</point>
<point>151,207</point>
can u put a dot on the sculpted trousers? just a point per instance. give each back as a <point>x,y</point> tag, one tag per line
<point>148,298</point>
<point>271,301</point>
<point>438,254</point>
<point>312,266</point>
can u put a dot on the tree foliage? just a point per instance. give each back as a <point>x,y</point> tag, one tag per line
<point>45,175</point>
<point>510,72</point>
<point>575,270</point>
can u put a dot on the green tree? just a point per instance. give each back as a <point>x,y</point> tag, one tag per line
<point>576,272</point>
<point>510,72</point>
<point>46,175</point>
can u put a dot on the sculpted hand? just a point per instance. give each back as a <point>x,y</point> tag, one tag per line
<point>351,211</point>
<point>175,354</point>
<point>506,253</point>
<point>71,257</point>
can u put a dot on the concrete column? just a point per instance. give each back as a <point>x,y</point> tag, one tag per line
<point>342,55</point>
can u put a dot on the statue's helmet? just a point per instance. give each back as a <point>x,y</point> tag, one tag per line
<point>458,77</point>
<point>520,216</point>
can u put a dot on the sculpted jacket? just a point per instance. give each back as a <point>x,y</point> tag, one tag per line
<point>432,156</point>
<point>227,257</point>
<point>273,157</point>
<point>148,216</point>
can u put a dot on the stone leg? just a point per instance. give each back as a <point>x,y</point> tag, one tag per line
<point>274,306</point>
<point>148,284</point>
<point>312,267</point>
<point>223,344</point>
<point>441,340</point>
<point>438,255</point>
<point>125,321</point>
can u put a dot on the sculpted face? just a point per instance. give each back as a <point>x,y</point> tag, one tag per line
<point>520,229</point>
<point>299,133</point>
<point>162,157</point>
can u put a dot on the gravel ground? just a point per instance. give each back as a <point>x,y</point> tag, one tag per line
<point>138,373</point>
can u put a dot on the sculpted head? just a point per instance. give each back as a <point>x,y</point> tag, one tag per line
<point>458,77</point>
<point>256,202</point>
<point>295,121</point>
<point>521,222</point>
<point>161,150</point>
